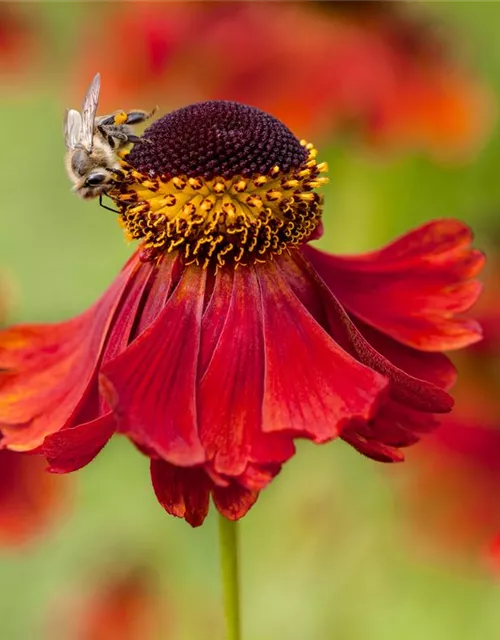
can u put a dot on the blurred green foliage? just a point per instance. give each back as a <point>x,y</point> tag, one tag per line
<point>325,555</point>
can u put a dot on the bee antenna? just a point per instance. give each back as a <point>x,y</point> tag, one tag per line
<point>101,204</point>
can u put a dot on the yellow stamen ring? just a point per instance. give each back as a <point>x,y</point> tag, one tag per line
<point>238,220</point>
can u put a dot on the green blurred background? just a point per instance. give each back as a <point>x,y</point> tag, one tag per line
<point>326,551</point>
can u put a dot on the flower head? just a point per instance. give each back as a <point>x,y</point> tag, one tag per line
<point>247,196</point>
<point>226,337</point>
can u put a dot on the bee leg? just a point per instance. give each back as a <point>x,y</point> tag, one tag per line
<point>119,118</point>
<point>135,117</point>
<point>106,120</point>
<point>113,134</point>
<point>116,137</point>
<point>101,204</point>
<point>107,135</point>
<point>133,139</point>
<point>121,136</point>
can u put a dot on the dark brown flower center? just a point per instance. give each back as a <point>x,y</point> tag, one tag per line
<point>221,183</point>
<point>217,138</point>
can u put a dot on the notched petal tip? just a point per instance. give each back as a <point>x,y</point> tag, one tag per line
<point>423,283</point>
<point>231,386</point>
<point>373,449</point>
<point>417,381</point>
<point>184,493</point>
<point>417,393</point>
<point>235,501</point>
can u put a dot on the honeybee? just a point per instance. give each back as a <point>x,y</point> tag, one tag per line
<point>93,143</point>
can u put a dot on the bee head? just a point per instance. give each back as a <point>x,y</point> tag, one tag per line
<point>95,183</point>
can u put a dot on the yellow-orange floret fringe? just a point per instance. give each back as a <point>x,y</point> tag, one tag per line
<point>221,221</point>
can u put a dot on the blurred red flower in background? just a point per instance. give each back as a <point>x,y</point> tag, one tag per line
<point>319,67</point>
<point>29,498</point>
<point>120,605</point>
<point>455,474</point>
<point>19,42</point>
<point>226,337</point>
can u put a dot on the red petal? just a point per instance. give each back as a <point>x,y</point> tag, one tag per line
<point>92,403</point>
<point>420,283</point>
<point>373,448</point>
<point>214,319</point>
<point>51,367</point>
<point>256,478</point>
<point>395,426</point>
<point>126,315</point>
<point>312,386</point>
<point>37,358</point>
<point>72,449</point>
<point>233,502</point>
<point>433,367</point>
<point>231,390</point>
<point>160,287</point>
<point>121,331</point>
<point>152,385</point>
<point>413,392</point>
<point>184,493</point>
<point>408,411</point>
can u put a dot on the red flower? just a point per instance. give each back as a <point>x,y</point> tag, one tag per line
<point>454,476</point>
<point>124,605</point>
<point>18,41</point>
<point>29,497</point>
<point>226,337</point>
<point>324,66</point>
<point>452,496</point>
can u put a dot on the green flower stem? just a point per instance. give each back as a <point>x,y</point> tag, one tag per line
<point>228,541</point>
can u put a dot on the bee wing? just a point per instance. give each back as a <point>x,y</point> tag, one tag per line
<point>89,109</point>
<point>72,128</point>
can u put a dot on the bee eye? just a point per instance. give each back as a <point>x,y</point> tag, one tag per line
<point>95,179</point>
